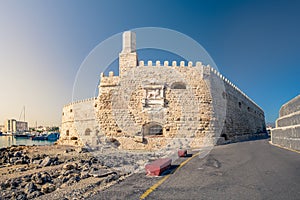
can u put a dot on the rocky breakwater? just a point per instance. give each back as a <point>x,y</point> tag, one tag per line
<point>60,172</point>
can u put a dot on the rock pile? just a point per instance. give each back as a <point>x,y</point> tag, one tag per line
<point>18,156</point>
<point>31,172</point>
<point>39,183</point>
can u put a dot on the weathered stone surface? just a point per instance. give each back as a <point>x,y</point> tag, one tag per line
<point>34,194</point>
<point>287,131</point>
<point>193,102</point>
<point>290,107</point>
<point>288,120</point>
<point>29,188</point>
<point>47,188</point>
<point>46,162</point>
<point>69,166</point>
<point>100,173</point>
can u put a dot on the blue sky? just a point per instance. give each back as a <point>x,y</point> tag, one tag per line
<point>43,43</point>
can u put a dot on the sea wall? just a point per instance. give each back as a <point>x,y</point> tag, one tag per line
<point>287,131</point>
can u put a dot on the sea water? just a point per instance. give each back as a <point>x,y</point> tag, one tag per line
<point>8,140</point>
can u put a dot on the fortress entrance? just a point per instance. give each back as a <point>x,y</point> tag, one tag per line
<point>152,128</point>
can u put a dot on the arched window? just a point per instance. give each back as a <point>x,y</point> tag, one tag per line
<point>152,129</point>
<point>178,85</point>
<point>67,133</point>
<point>87,131</point>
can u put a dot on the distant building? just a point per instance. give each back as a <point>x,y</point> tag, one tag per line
<point>1,128</point>
<point>14,126</point>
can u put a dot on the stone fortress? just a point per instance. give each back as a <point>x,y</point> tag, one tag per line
<point>152,106</point>
<point>287,131</point>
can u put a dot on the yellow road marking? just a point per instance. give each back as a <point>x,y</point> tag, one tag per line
<point>156,185</point>
<point>153,187</point>
<point>284,147</point>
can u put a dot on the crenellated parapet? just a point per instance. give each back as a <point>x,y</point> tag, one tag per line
<point>228,82</point>
<point>164,100</point>
<point>199,64</point>
<point>169,64</point>
<point>80,101</point>
<point>109,81</point>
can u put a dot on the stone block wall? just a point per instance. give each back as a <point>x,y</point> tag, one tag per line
<point>79,126</point>
<point>209,108</point>
<point>156,105</point>
<point>287,131</point>
<point>187,112</point>
<point>238,118</point>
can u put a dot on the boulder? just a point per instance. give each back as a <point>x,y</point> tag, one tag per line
<point>100,173</point>
<point>48,187</point>
<point>20,195</point>
<point>19,162</point>
<point>69,166</point>
<point>37,178</point>
<point>46,162</point>
<point>18,154</point>
<point>26,178</point>
<point>34,194</point>
<point>29,188</point>
<point>46,178</point>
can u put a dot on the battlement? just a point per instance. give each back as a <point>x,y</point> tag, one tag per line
<point>80,101</point>
<point>167,64</point>
<point>110,74</point>
<point>109,81</point>
<point>112,80</point>
<point>228,82</point>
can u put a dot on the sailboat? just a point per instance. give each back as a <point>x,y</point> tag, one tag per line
<point>22,134</point>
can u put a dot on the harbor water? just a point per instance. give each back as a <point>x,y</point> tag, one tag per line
<point>8,140</point>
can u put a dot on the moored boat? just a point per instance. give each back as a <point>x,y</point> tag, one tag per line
<point>21,135</point>
<point>39,137</point>
<point>53,136</point>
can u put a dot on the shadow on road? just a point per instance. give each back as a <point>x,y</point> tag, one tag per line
<point>171,170</point>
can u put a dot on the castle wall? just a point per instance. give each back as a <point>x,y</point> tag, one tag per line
<point>182,117</point>
<point>155,105</point>
<point>219,108</point>
<point>238,117</point>
<point>79,126</point>
<point>287,131</point>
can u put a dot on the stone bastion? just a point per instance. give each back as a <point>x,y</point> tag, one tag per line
<point>155,105</point>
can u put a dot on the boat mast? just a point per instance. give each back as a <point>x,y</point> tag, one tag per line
<point>23,110</point>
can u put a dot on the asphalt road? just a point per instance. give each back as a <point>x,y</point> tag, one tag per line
<point>247,170</point>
